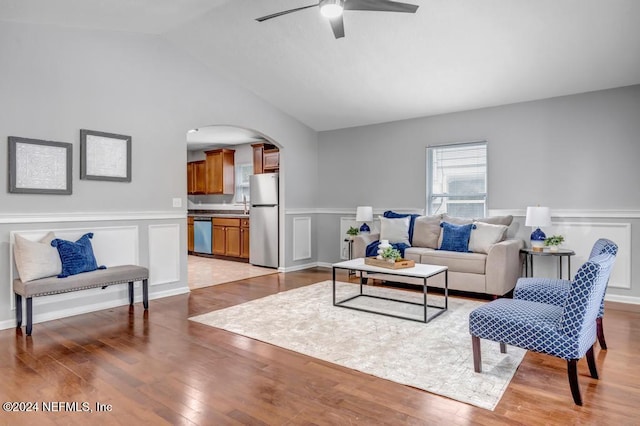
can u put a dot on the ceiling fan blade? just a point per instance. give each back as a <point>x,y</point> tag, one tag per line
<point>380,6</point>
<point>337,25</point>
<point>285,12</point>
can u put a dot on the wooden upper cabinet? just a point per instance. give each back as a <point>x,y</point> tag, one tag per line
<point>220,171</point>
<point>266,158</point>
<point>196,177</point>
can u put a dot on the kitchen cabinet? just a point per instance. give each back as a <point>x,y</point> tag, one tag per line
<point>266,158</point>
<point>196,177</point>
<point>220,171</point>
<point>190,234</point>
<point>231,237</point>
<point>244,238</point>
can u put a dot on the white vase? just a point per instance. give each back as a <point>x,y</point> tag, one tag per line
<point>554,249</point>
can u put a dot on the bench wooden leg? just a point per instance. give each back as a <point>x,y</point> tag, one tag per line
<point>18,311</point>
<point>29,315</point>
<point>130,293</point>
<point>145,294</point>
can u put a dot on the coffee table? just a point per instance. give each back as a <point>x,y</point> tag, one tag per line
<point>420,271</point>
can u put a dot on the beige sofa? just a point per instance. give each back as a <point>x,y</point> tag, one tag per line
<point>494,272</point>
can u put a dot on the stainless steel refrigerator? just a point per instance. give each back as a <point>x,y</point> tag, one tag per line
<point>263,227</point>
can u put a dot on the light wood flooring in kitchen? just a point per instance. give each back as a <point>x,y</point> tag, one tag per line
<point>205,272</point>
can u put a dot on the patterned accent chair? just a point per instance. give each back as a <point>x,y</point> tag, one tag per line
<point>554,291</point>
<point>567,331</point>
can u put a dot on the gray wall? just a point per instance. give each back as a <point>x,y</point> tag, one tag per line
<point>56,81</point>
<point>574,153</point>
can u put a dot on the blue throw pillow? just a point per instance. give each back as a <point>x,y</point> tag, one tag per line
<point>393,215</point>
<point>456,237</point>
<point>76,257</point>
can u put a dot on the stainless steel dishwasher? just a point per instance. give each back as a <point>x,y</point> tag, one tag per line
<point>202,236</point>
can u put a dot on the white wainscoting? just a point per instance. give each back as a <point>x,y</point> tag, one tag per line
<point>117,245</point>
<point>164,253</point>
<point>301,238</point>
<point>580,237</point>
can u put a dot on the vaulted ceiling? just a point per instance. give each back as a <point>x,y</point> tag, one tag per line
<point>452,55</point>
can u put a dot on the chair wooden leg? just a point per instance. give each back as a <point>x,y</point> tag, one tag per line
<point>592,363</point>
<point>572,371</point>
<point>503,348</point>
<point>600,331</point>
<point>18,310</point>
<point>477,357</point>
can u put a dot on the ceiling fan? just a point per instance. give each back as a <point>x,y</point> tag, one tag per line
<point>332,9</point>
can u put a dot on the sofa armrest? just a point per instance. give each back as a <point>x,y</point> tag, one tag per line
<point>504,267</point>
<point>360,243</point>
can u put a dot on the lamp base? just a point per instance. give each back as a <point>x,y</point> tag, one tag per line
<point>365,228</point>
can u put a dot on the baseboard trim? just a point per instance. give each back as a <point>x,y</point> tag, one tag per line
<point>300,267</point>
<point>616,299</point>
<point>77,310</point>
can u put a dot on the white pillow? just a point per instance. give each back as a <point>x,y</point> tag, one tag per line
<point>484,235</point>
<point>395,230</point>
<point>36,259</point>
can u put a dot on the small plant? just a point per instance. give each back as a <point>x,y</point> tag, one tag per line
<point>353,231</point>
<point>554,240</point>
<point>391,254</point>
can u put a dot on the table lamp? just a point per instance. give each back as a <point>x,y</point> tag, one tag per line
<point>364,214</point>
<point>537,217</point>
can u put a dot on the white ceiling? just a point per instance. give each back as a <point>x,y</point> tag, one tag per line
<point>452,55</point>
<point>211,137</point>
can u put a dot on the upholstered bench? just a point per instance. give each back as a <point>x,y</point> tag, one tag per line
<point>98,278</point>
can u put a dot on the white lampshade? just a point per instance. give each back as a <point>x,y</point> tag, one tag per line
<point>331,8</point>
<point>364,214</point>
<point>538,216</point>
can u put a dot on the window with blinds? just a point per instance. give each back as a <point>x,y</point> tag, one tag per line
<point>457,179</point>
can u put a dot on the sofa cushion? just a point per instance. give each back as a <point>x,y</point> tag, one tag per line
<point>412,217</point>
<point>36,259</point>
<point>426,231</point>
<point>456,220</point>
<point>455,237</point>
<point>395,230</point>
<point>473,263</point>
<point>497,220</point>
<point>484,235</point>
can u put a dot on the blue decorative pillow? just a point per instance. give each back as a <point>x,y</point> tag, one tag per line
<point>76,257</point>
<point>456,237</point>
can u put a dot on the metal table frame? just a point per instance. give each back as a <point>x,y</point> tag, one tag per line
<point>360,266</point>
<point>528,260</point>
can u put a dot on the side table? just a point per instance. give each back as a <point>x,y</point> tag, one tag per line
<point>349,242</point>
<point>561,253</point>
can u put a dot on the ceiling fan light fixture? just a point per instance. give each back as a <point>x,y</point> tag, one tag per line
<point>331,8</point>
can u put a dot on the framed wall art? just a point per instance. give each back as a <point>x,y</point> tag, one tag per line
<point>39,167</point>
<point>105,156</point>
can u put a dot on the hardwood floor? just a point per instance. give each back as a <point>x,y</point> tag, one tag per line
<point>164,369</point>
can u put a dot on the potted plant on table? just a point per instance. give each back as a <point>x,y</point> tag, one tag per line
<point>553,242</point>
<point>352,232</point>
<point>391,254</point>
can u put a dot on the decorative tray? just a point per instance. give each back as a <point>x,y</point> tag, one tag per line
<point>398,264</point>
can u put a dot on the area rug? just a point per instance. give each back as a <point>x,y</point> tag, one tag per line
<point>435,357</point>
<point>205,272</point>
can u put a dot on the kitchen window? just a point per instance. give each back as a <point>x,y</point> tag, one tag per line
<point>243,171</point>
<point>457,179</point>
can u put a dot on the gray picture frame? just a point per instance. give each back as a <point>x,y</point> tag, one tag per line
<point>105,156</point>
<point>39,167</point>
